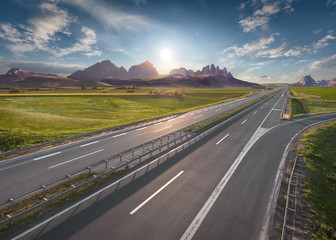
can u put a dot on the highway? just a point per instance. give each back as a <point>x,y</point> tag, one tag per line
<point>21,174</point>
<point>222,187</point>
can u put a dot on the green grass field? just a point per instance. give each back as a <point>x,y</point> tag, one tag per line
<point>30,120</point>
<point>318,150</point>
<point>304,100</point>
<point>315,92</point>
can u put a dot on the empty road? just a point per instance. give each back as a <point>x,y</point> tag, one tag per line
<point>221,187</point>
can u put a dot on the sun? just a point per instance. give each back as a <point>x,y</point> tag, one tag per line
<point>166,54</point>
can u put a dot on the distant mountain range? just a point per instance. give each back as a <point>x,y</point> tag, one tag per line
<point>206,70</point>
<point>16,77</point>
<point>106,69</point>
<point>308,81</point>
<point>144,74</point>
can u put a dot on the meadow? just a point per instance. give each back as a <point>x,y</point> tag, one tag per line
<point>318,151</point>
<point>314,92</point>
<point>27,120</point>
<point>312,100</point>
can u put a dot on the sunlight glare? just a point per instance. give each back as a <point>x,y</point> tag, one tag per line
<point>166,54</point>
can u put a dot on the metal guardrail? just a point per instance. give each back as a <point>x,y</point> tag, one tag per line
<point>119,161</point>
<point>288,228</point>
<point>149,121</point>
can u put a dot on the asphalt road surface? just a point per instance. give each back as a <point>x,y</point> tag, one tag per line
<point>221,187</point>
<point>21,174</point>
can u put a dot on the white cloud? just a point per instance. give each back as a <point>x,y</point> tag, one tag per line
<point>9,33</point>
<point>293,52</point>
<point>263,63</point>
<point>251,23</point>
<point>119,50</point>
<point>43,31</point>
<point>264,11</point>
<point>329,63</point>
<point>51,21</point>
<point>83,45</point>
<point>317,31</point>
<point>113,17</point>
<point>20,43</point>
<point>258,48</point>
<point>267,10</point>
<point>265,77</point>
<point>322,43</point>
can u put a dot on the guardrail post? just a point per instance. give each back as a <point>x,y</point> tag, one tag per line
<point>44,190</point>
<point>132,152</point>
<point>143,148</point>
<point>89,168</point>
<point>12,203</point>
<point>120,156</point>
<point>106,163</point>
<point>152,144</point>
<point>69,177</point>
<point>160,141</point>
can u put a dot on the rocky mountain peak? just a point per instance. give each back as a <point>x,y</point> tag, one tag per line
<point>209,69</point>
<point>145,69</point>
<point>106,69</point>
<point>307,81</point>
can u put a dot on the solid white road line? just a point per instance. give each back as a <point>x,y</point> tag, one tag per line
<point>182,116</point>
<point>279,110</point>
<point>191,113</point>
<point>198,116</point>
<point>84,145</point>
<point>171,120</point>
<point>75,159</point>
<point>141,129</point>
<point>222,139</point>
<point>218,110</point>
<point>154,194</point>
<point>255,112</point>
<point>119,135</point>
<point>158,123</point>
<point>162,129</point>
<point>243,121</point>
<point>49,155</point>
<point>196,223</point>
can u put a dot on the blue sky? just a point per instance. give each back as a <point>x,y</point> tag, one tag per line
<point>257,40</point>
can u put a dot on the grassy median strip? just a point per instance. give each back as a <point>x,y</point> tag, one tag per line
<point>11,228</point>
<point>317,147</point>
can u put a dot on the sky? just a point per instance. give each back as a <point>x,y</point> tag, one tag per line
<point>257,40</point>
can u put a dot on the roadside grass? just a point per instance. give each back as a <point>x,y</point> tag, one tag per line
<point>319,154</point>
<point>27,120</point>
<point>302,106</point>
<point>314,92</point>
